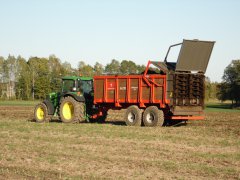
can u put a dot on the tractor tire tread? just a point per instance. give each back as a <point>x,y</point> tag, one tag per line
<point>78,110</point>
<point>137,112</point>
<point>47,117</point>
<point>159,116</point>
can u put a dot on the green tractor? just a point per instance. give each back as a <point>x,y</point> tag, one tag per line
<point>71,104</point>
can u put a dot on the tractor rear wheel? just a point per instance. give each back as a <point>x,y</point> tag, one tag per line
<point>41,113</point>
<point>153,116</point>
<point>133,116</point>
<point>71,111</point>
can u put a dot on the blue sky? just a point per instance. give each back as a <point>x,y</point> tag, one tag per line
<point>102,30</point>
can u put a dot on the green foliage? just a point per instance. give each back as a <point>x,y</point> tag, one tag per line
<point>210,89</point>
<point>128,67</point>
<point>98,69</point>
<point>67,70</point>
<point>56,71</point>
<point>85,69</point>
<point>229,89</point>
<point>140,68</point>
<point>40,72</point>
<point>23,85</point>
<point>113,67</point>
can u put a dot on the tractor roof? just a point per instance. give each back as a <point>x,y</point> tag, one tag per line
<point>77,77</point>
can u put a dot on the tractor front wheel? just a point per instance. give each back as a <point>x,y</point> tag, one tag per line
<point>71,111</point>
<point>41,113</point>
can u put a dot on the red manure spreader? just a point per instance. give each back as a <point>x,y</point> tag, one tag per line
<point>175,92</point>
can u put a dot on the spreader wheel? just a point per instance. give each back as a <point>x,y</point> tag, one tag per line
<point>41,113</point>
<point>153,116</point>
<point>133,116</point>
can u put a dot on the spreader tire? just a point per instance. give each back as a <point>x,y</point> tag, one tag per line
<point>41,113</point>
<point>152,116</point>
<point>133,116</point>
<point>71,111</point>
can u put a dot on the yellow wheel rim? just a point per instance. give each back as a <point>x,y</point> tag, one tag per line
<point>40,113</point>
<point>68,111</point>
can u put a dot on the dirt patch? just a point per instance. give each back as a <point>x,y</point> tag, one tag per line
<point>16,112</point>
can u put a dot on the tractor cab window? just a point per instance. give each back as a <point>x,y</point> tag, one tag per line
<point>68,85</point>
<point>85,86</point>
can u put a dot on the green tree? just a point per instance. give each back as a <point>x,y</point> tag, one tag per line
<point>223,91</point>
<point>128,67</point>
<point>140,69</point>
<point>67,70</point>
<point>230,86</point>
<point>210,89</point>
<point>1,75</point>
<point>10,73</point>
<point>12,64</point>
<point>56,71</point>
<point>6,68</point>
<point>98,69</point>
<point>113,67</point>
<point>85,70</point>
<point>39,70</point>
<point>1,68</point>
<point>23,85</point>
<point>207,88</point>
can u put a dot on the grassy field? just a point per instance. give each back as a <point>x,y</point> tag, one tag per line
<point>219,107</point>
<point>18,103</point>
<point>212,106</point>
<point>208,149</point>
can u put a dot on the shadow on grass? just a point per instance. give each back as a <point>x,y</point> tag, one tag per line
<point>52,121</point>
<point>117,123</point>
<point>168,123</point>
<point>175,123</point>
<point>219,106</point>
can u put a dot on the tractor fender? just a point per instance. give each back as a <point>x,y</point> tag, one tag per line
<point>77,98</point>
<point>50,107</point>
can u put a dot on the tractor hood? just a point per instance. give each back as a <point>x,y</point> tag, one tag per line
<point>194,55</point>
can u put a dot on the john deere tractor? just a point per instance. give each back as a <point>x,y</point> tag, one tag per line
<point>71,104</point>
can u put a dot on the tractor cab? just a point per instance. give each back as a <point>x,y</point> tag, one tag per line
<point>80,86</point>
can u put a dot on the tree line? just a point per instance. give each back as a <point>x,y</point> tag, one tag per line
<point>35,77</point>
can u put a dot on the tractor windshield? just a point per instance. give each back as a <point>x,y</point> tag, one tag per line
<point>68,85</point>
<point>85,85</point>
